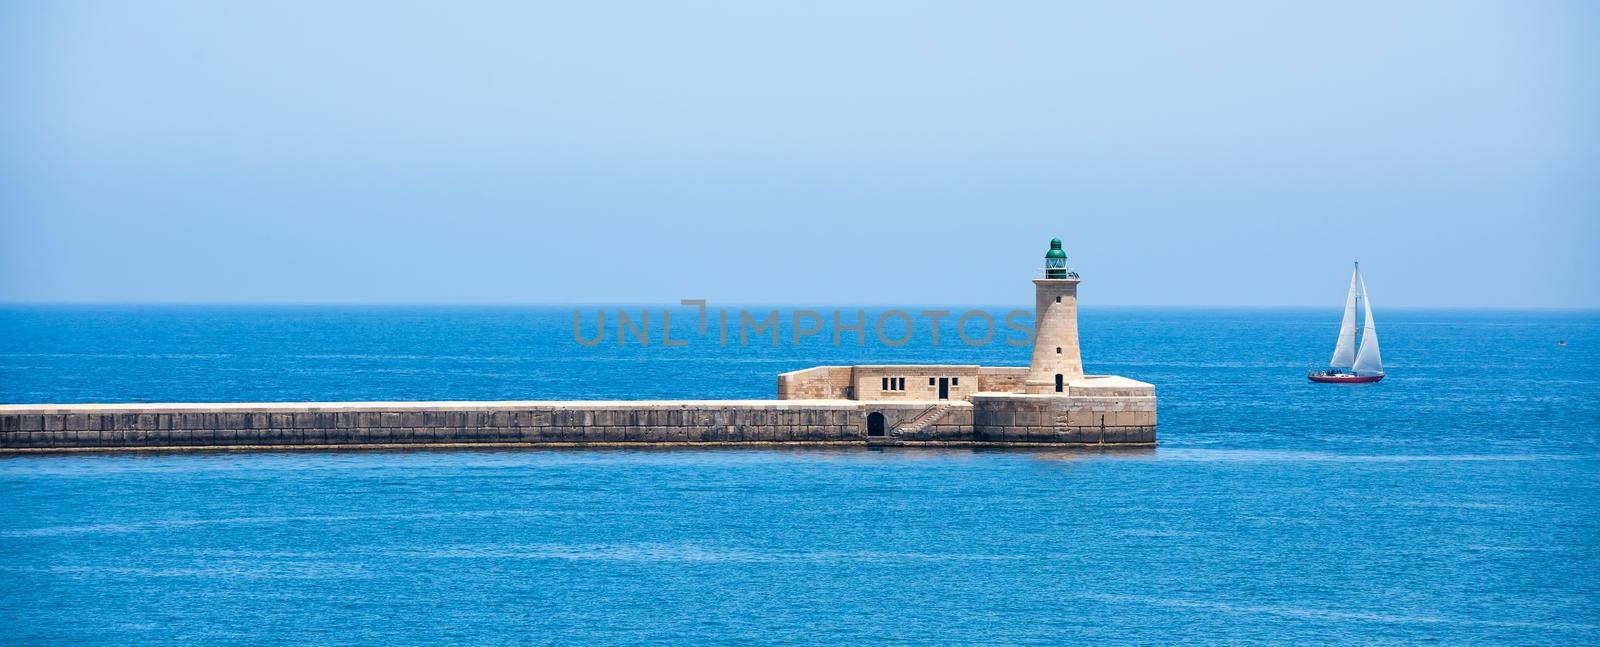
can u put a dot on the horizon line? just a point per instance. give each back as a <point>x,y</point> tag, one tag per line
<point>712,305</point>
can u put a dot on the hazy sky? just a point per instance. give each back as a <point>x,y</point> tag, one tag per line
<point>799,152</point>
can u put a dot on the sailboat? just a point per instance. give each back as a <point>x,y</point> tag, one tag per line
<point>1350,364</point>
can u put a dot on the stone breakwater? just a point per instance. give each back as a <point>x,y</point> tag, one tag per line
<point>1000,419</point>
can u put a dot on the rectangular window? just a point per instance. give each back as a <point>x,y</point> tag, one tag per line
<point>886,384</point>
<point>955,381</point>
<point>930,381</point>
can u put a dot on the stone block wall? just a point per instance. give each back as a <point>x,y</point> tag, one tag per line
<point>1001,418</point>
<point>819,383</point>
<point>989,419</point>
<point>1002,379</point>
<point>23,427</point>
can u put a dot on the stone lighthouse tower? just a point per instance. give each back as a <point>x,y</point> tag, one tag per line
<point>1055,323</point>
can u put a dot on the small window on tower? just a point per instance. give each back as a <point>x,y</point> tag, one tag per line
<point>1058,299</point>
<point>1058,350</point>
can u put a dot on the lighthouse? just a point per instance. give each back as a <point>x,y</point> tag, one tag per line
<point>1056,361</point>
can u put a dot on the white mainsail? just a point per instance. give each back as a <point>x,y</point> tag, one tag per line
<point>1368,360</point>
<point>1344,354</point>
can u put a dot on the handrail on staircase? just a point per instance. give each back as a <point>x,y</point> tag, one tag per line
<point>918,418</point>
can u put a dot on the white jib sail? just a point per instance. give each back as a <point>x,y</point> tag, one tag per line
<point>1368,359</point>
<point>1344,353</point>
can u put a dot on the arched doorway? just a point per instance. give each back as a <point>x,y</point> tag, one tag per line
<point>1061,384</point>
<point>875,424</point>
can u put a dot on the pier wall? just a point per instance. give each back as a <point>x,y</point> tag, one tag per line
<point>1098,409</point>
<point>1004,418</point>
<point>257,425</point>
<point>429,423</point>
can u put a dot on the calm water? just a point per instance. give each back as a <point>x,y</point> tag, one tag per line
<point>1458,501</point>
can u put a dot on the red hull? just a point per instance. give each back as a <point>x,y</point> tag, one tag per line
<point>1344,379</point>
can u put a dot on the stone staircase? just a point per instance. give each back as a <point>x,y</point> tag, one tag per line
<point>922,421</point>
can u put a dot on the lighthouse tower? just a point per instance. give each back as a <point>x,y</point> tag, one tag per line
<point>1055,323</point>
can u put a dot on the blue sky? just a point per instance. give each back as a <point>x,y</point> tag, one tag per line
<point>1233,154</point>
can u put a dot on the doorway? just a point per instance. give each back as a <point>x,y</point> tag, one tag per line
<point>875,424</point>
<point>944,388</point>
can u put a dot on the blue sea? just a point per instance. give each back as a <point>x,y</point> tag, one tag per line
<point>1455,502</point>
